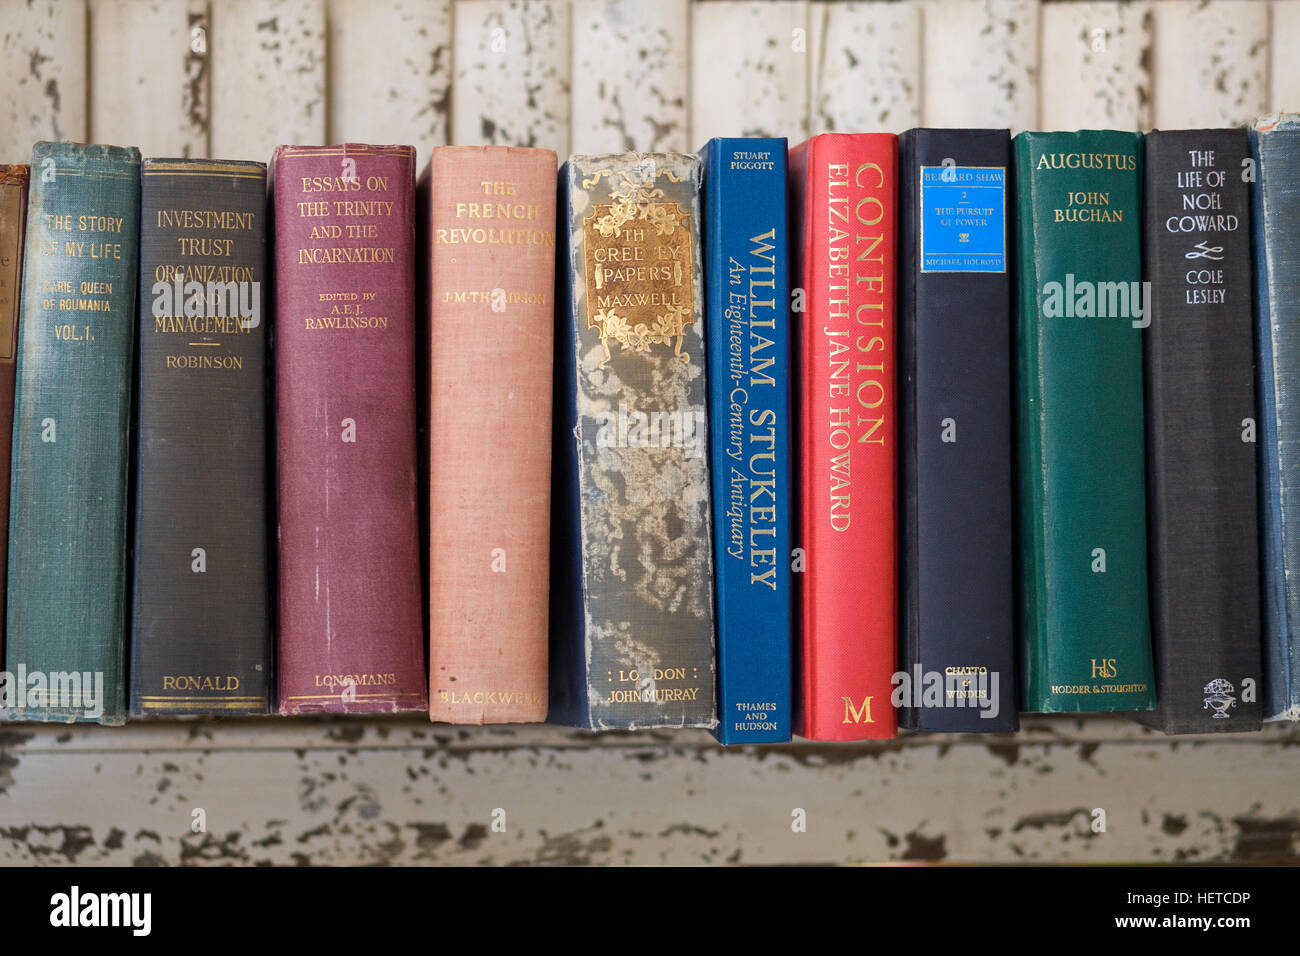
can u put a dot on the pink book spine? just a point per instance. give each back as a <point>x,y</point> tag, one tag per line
<point>491,243</point>
<point>350,635</point>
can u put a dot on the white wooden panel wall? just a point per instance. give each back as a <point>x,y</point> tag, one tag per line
<point>980,63</point>
<point>42,74</point>
<point>1098,76</point>
<point>120,76</point>
<point>390,72</point>
<point>512,74</point>
<point>749,68</point>
<point>235,78</point>
<point>864,60</point>
<point>267,67</point>
<point>1212,61</point>
<point>631,76</point>
<point>1284,64</point>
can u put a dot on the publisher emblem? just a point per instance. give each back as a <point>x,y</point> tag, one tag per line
<point>1219,697</point>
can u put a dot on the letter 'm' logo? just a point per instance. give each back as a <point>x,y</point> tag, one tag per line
<point>857,715</point>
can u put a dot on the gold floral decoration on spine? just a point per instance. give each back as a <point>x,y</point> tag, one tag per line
<point>637,201</point>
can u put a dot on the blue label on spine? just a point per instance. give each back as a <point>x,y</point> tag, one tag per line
<point>962,222</point>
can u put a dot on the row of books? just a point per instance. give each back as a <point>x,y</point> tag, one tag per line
<point>928,430</point>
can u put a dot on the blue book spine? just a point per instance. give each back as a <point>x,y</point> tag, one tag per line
<point>1275,146</point>
<point>746,282</point>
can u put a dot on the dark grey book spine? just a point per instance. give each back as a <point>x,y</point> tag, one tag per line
<point>632,570</point>
<point>958,590</point>
<point>1200,426</point>
<point>200,627</point>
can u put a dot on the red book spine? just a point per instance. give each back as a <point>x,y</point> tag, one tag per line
<point>844,187</point>
<point>491,302</point>
<point>351,628</point>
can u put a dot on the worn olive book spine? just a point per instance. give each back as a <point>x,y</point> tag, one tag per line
<point>72,411</point>
<point>1085,626</point>
<point>631,558</point>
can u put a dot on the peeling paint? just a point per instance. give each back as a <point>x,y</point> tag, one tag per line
<point>1267,840</point>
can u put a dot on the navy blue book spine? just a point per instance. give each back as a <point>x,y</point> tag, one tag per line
<point>567,661</point>
<point>746,283</point>
<point>955,421</point>
<point>1275,147</point>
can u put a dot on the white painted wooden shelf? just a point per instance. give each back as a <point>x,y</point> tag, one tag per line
<point>403,791</point>
<point>234,78</point>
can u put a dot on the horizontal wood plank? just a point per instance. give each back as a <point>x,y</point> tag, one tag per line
<point>399,792</point>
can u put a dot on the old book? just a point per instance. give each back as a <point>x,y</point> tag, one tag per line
<point>1200,428</point>
<point>843,198</point>
<point>954,316</point>
<point>72,409</point>
<point>490,246</point>
<point>200,623</point>
<point>351,633</point>
<point>747,287</point>
<point>1275,148</point>
<point>1086,637</point>
<point>631,561</point>
<point>13,228</point>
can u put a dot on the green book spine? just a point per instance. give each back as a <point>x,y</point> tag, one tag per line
<point>1085,627</point>
<point>72,405</point>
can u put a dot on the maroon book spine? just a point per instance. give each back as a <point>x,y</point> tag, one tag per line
<point>350,629</point>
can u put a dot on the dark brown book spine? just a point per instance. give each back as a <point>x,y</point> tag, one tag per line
<point>13,223</point>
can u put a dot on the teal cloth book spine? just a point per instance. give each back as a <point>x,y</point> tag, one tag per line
<point>72,406</point>
<point>1086,635</point>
